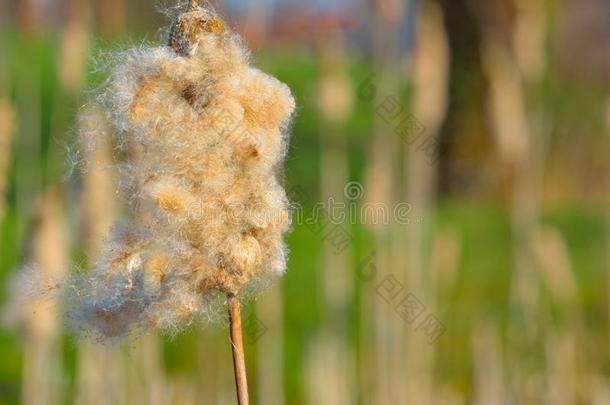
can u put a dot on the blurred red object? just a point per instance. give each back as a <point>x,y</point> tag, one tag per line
<point>297,25</point>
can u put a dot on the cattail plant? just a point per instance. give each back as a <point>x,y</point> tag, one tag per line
<point>7,121</point>
<point>429,72</point>
<point>74,44</point>
<point>32,311</point>
<point>112,16</point>
<point>208,210</point>
<point>379,179</point>
<point>331,371</point>
<point>520,122</point>
<point>487,359</point>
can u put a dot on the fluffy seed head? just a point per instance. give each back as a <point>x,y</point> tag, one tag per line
<point>202,135</point>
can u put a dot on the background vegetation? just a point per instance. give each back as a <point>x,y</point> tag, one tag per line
<point>507,241</point>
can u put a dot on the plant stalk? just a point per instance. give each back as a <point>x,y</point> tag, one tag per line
<point>237,345</point>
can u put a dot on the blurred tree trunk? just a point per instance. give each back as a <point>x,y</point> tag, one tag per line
<point>465,144</point>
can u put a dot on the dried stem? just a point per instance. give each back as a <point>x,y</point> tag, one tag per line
<point>193,4</point>
<point>237,344</point>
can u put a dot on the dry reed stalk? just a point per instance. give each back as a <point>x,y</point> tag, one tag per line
<point>551,253</point>
<point>564,341</point>
<point>270,346</point>
<point>430,75</point>
<point>99,180</point>
<point>41,374</point>
<point>379,335</point>
<point>600,390</point>
<point>100,376</point>
<point>445,260</point>
<point>488,366</point>
<point>237,345</point>
<point>445,256</point>
<point>529,37</point>
<point>331,371</point>
<point>506,103</point>
<point>112,16</point>
<point>563,383</point>
<point>28,176</point>
<point>147,382</point>
<point>7,128</point>
<point>215,379</point>
<point>522,129</point>
<point>512,121</point>
<point>183,391</point>
<point>74,45</point>
<point>529,165</point>
<point>448,395</point>
<point>41,359</point>
<point>520,149</point>
<point>326,357</point>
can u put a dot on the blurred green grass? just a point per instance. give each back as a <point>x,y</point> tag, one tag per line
<point>483,281</point>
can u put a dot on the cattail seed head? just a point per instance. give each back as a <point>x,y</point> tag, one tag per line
<point>208,212</point>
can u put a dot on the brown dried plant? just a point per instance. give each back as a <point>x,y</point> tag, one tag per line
<point>202,135</point>
<point>208,211</point>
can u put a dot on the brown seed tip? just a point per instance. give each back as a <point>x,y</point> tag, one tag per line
<point>215,26</point>
<point>192,26</point>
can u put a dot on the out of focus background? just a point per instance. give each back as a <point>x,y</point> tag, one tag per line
<point>451,184</point>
